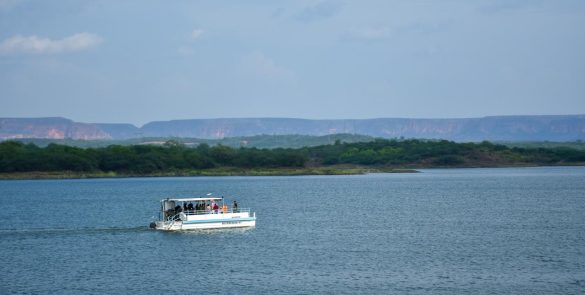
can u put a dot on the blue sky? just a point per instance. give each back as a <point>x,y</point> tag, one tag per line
<point>139,61</point>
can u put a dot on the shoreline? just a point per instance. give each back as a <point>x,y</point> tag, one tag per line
<point>231,171</point>
<point>207,172</point>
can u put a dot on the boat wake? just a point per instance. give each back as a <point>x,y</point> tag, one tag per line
<point>78,230</point>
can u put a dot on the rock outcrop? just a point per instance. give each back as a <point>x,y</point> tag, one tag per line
<point>52,128</point>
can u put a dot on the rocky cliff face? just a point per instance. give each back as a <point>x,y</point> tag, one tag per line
<point>53,128</point>
<point>512,128</point>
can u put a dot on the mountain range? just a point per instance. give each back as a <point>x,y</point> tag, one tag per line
<point>493,128</point>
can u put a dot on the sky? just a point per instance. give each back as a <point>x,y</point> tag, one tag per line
<point>136,61</point>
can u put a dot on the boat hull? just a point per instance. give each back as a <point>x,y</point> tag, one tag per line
<point>211,221</point>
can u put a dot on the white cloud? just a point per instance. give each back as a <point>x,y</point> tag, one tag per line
<point>196,33</point>
<point>39,45</point>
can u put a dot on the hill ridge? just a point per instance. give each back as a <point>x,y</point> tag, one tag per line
<point>511,127</point>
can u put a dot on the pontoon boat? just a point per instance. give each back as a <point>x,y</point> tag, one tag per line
<point>201,213</point>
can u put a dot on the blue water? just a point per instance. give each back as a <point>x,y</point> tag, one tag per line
<point>460,231</point>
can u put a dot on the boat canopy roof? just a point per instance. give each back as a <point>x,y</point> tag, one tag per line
<point>192,199</point>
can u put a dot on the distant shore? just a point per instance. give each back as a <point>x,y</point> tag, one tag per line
<point>232,171</point>
<point>173,159</point>
<point>207,172</point>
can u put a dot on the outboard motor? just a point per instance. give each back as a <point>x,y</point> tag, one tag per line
<point>153,225</point>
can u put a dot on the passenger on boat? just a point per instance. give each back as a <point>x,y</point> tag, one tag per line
<point>235,207</point>
<point>169,213</point>
<point>215,207</point>
<point>190,206</point>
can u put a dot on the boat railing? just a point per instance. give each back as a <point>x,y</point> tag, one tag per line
<point>173,217</point>
<point>218,211</point>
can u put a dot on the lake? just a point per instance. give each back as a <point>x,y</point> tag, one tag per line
<point>451,231</point>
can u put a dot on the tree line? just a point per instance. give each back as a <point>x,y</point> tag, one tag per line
<point>173,156</point>
<point>141,159</point>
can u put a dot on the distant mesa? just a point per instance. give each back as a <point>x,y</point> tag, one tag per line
<point>53,128</point>
<point>496,128</point>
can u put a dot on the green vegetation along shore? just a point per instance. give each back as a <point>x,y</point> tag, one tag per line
<point>228,171</point>
<point>270,141</point>
<point>19,160</point>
